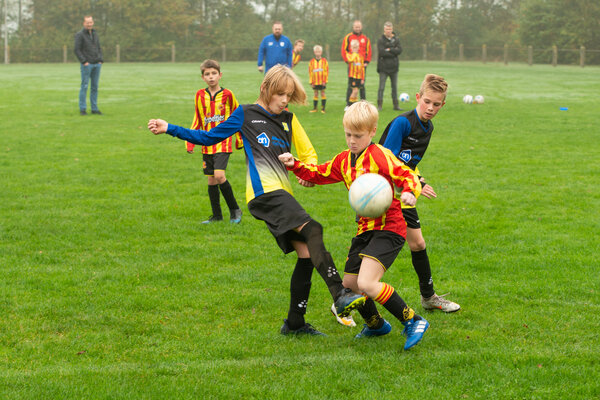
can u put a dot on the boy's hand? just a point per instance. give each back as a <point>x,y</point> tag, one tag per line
<point>428,192</point>
<point>287,159</point>
<point>304,183</point>
<point>157,126</point>
<point>408,198</point>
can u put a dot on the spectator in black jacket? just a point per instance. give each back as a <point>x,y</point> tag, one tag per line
<point>388,49</point>
<point>89,53</point>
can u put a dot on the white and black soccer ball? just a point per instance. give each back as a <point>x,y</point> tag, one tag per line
<point>478,99</point>
<point>370,195</point>
<point>468,99</point>
<point>404,97</point>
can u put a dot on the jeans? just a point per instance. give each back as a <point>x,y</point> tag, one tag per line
<point>89,72</point>
<point>382,78</point>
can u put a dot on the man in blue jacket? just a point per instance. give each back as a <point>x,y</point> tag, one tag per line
<point>275,49</point>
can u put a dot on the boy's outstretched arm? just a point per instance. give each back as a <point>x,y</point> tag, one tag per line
<point>157,126</point>
<point>287,159</point>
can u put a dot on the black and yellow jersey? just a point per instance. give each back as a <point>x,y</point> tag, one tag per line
<point>265,137</point>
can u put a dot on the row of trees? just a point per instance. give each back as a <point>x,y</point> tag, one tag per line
<point>241,24</point>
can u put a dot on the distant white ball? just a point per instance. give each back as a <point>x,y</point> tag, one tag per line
<point>404,97</point>
<point>370,195</point>
<point>478,99</point>
<point>468,99</point>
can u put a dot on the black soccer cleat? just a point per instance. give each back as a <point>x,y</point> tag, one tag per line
<point>306,329</point>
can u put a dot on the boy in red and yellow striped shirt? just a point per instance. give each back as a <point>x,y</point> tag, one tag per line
<point>356,71</point>
<point>378,240</point>
<point>318,73</point>
<point>214,105</point>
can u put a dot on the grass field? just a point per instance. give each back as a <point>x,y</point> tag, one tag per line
<point>112,289</point>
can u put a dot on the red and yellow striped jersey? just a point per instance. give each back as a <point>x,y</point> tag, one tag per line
<point>346,167</point>
<point>356,66</point>
<point>210,112</point>
<point>295,58</point>
<point>318,71</point>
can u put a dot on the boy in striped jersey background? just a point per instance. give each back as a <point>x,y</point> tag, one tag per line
<point>214,105</point>
<point>318,73</point>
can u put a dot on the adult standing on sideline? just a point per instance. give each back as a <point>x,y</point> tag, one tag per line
<point>388,50</point>
<point>275,49</point>
<point>364,49</point>
<point>89,53</point>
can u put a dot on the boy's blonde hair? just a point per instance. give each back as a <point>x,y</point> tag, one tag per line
<point>298,41</point>
<point>277,80</point>
<point>206,64</point>
<point>317,47</point>
<point>361,116</point>
<point>434,83</point>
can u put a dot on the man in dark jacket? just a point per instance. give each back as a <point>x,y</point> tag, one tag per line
<point>89,53</point>
<point>388,48</point>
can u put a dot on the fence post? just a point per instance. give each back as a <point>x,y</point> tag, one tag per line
<point>223,53</point>
<point>461,52</point>
<point>425,52</point>
<point>118,53</point>
<point>483,53</point>
<point>173,53</point>
<point>443,51</point>
<point>64,53</point>
<point>554,55</point>
<point>530,55</point>
<point>582,56</point>
<point>505,54</point>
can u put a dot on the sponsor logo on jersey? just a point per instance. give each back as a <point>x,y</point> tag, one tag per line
<point>214,118</point>
<point>258,121</point>
<point>282,44</point>
<point>285,126</point>
<point>280,143</point>
<point>263,139</point>
<point>406,155</point>
<point>270,44</point>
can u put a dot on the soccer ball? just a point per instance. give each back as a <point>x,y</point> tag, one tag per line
<point>468,99</point>
<point>370,195</point>
<point>478,99</point>
<point>404,97</point>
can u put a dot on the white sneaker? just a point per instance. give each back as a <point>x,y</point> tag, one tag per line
<point>346,321</point>
<point>436,302</point>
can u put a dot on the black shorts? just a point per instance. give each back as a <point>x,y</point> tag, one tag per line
<point>382,246</point>
<point>319,87</point>
<point>411,217</point>
<point>282,213</point>
<point>211,162</point>
<point>355,83</point>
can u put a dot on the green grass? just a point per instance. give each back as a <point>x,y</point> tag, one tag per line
<point>112,289</point>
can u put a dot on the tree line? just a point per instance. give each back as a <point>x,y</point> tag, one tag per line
<point>241,24</point>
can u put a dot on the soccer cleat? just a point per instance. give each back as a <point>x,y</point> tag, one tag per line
<point>97,112</point>
<point>212,219</point>
<point>414,331</point>
<point>436,302</point>
<point>236,216</point>
<point>322,111</point>
<point>368,332</point>
<point>307,329</point>
<point>82,112</point>
<point>348,301</point>
<point>346,321</point>
<point>314,110</point>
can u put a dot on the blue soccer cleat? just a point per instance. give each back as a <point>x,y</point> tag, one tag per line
<point>414,331</point>
<point>306,329</point>
<point>348,301</point>
<point>368,332</point>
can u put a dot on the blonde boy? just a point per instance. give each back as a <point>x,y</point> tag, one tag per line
<point>268,130</point>
<point>378,240</point>
<point>318,73</point>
